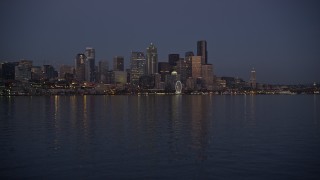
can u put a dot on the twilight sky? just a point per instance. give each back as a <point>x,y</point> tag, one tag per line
<point>279,38</point>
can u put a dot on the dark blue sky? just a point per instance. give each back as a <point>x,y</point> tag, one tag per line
<point>280,38</point>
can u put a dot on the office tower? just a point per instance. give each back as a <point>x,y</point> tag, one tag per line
<point>49,72</point>
<point>164,69</point>
<point>152,59</point>
<point>253,83</point>
<point>188,59</point>
<point>207,75</point>
<point>118,63</point>
<point>80,65</point>
<point>8,70</point>
<point>182,69</point>
<point>103,71</point>
<point>196,67</point>
<point>90,64</point>
<point>138,66</point>
<point>173,58</point>
<point>23,70</point>
<point>202,51</point>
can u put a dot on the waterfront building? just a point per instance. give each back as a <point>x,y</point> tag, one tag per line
<point>152,60</point>
<point>118,63</point>
<point>202,51</point>
<point>138,66</point>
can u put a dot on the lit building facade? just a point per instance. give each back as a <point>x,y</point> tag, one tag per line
<point>196,66</point>
<point>138,66</point>
<point>152,60</point>
<point>80,65</point>
<point>253,83</point>
<point>207,75</point>
<point>90,64</point>
<point>23,70</point>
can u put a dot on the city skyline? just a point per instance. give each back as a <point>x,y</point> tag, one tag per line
<point>279,39</point>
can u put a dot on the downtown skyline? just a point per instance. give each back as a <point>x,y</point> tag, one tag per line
<point>279,39</point>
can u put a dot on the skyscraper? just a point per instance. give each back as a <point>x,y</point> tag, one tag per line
<point>90,64</point>
<point>202,51</point>
<point>118,63</point>
<point>173,58</point>
<point>253,83</point>
<point>152,59</point>
<point>207,75</point>
<point>80,67</point>
<point>188,59</point>
<point>103,71</point>
<point>138,64</point>
<point>23,70</point>
<point>196,66</point>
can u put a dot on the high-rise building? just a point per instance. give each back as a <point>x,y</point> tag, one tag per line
<point>164,69</point>
<point>253,83</point>
<point>182,70</point>
<point>196,66</point>
<point>152,59</point>
<point>8,70</point>
<point>202,51</point>
<point>90,64</point>
<point>138,66</point>
<point>188,59</point>
<point>207,75</point>
<point>173,58</point>
<point>118,63</point>
<point>23,70</point>
<point>103,71</point>
<point>80,65</point>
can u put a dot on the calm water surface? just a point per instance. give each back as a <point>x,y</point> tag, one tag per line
<point>160,137</point>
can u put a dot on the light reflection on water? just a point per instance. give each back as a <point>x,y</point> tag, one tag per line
<point>225,137</point>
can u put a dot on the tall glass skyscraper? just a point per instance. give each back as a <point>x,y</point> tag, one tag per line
<point>118,63</point>
<point>152,59</point>
<point>80,67</point>
<point>138,66</point>
<point>202,51</point>
<point>90,64</point>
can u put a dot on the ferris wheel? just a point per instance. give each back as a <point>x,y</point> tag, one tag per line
<point>178,87</point>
